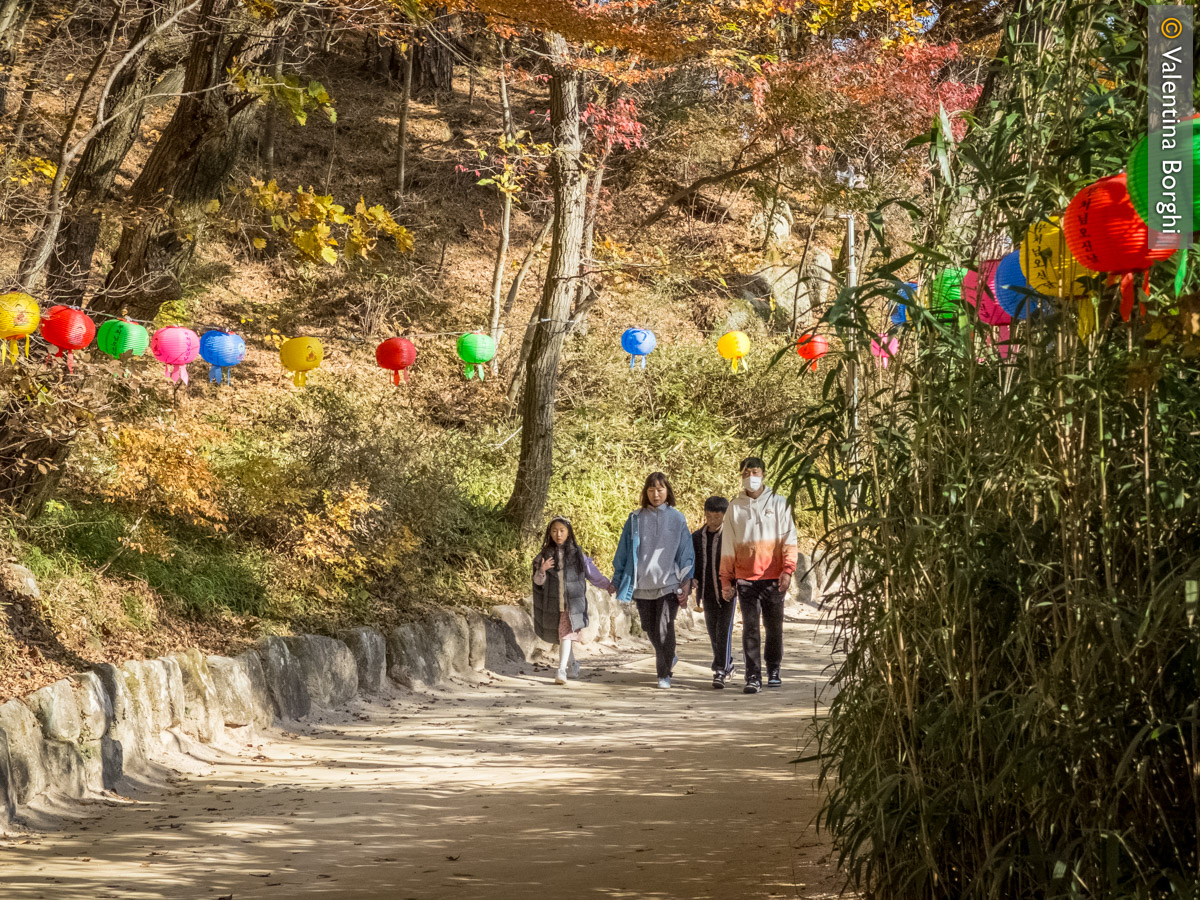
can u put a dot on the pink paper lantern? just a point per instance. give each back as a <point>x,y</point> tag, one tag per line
<point>884,349</point>
<point>979,289</point>
<point>175,347</point>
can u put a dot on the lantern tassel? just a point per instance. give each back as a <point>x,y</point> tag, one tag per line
<point>1126,296</point>
<point>70,361</point>
<point>214,374</point>
<point>481,371</point>
<point>632,362</point>
<point>404,372</point>
<point>812,366</point>
<point>468,372</point>
<point>733,365</point>
<point>396,377</point>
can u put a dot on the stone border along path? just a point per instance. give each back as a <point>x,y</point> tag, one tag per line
<point>665,806</point>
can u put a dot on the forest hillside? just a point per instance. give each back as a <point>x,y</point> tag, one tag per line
<point>238,168</point>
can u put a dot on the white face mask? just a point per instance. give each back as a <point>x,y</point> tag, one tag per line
<point>752,482</point>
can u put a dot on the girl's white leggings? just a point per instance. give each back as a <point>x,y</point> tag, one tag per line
<point>566,654</point>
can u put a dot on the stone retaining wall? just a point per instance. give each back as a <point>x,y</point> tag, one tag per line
<point>112,728</point>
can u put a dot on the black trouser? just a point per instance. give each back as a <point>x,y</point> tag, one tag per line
<point>761,600</point>
<point>658,621</point>
<point>718,617</point>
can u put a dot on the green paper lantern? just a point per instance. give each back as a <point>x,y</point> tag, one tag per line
<point>945,293</point>
<point>117,337</point>
<point>1138,180</point>
<point>475,349</point>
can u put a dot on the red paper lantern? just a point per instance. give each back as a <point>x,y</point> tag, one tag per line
<point>1105,234</point>
<point>69,330</point>
<point>812,347</point>
<point>396,354</point>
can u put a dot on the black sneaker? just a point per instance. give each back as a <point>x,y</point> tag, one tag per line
<point>773,679</point>
<point>718,680</point>
<point>753,686</point>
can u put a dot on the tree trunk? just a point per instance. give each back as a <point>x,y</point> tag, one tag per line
<point>91,182</point>
<point>433,55</point>
<point>14,15</point>
<point>38,252</point>
<point>268,150</point>
<point>190,163</point>
<point>534,468</point>
<point>402,130</point>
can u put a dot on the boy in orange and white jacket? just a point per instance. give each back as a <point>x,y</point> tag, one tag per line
<point>758,558</point>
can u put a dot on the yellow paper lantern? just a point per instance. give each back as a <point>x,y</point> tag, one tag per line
<point>734,346</point>
<point>301,355</point>
<point>19,318</point>
<point>1047,263</point>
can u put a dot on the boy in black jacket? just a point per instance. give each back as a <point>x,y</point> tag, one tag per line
<point>718,612</point>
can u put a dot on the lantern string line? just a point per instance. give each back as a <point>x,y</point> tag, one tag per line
<point>336,336</point>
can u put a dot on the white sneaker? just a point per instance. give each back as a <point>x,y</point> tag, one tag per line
<point>664,682</point>
<point>561,677</point>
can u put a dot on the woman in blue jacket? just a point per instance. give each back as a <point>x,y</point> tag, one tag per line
<point>653,567</point>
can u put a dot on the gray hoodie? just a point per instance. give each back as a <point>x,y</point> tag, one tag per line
<point>660,530</point>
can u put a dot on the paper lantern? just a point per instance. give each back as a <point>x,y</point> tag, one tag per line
<point>1048,264</point>
<point>734,346</point>
<point>396,354</point>
<point>19,319</point>
<point>474,349</point>
<point>1187,132</point>
<point>812,347</point>
<point>301,355</point>
<point>638,342</point>
<point>222,350</point>
<point>117,337</point>
<point>69,330</point>
<point>175,347</point>
<point>979,290</point>
<point>1106,234</point>
<point>884,349</point>
<point>1012,292</point>
<point>945,293</point>
<point>899,314</point>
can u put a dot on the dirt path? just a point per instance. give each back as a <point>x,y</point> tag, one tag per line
<point>509,789</point>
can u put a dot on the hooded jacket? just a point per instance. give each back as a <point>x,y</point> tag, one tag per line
<point>625,563</point>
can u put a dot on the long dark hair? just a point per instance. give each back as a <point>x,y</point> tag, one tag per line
<point>657,478</point>
<point>572,554</point>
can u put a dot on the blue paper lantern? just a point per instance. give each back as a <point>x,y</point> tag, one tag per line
<point>899,313</point>
<point>222,350</point>
<point>1012,291</point>
<point>638,342</point>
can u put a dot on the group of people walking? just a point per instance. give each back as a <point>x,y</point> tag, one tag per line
<point>743,555</point>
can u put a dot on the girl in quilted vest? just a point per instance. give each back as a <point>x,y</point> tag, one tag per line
<point>561,574</point>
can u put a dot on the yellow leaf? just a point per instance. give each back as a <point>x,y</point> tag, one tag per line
<point>329,255</point>
<point>212,206</point>
<point>260,243</point>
